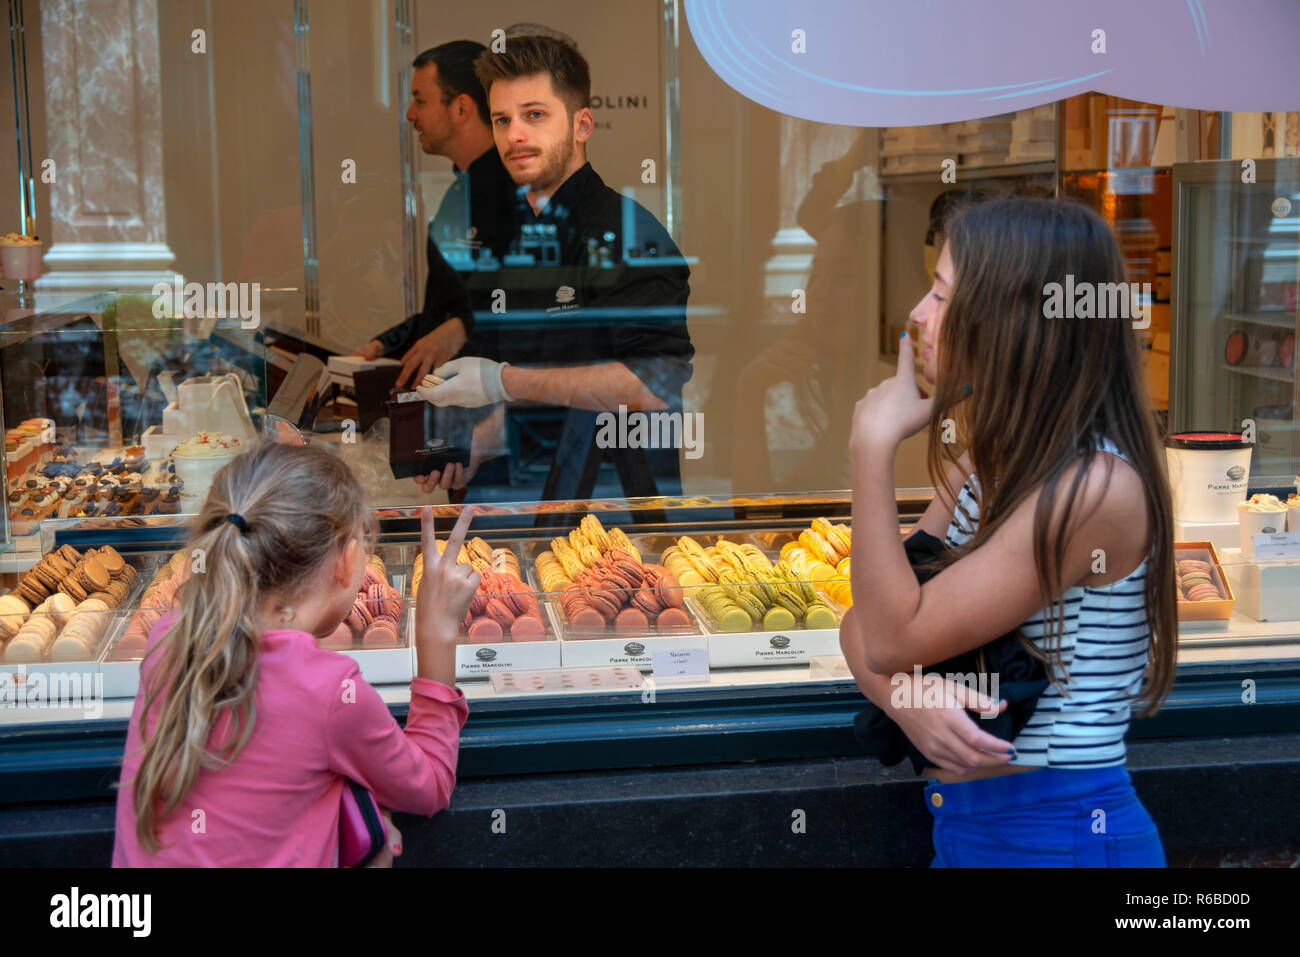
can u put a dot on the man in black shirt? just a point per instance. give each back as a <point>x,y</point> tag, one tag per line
<point>594,288</point>
<point>475,220</point>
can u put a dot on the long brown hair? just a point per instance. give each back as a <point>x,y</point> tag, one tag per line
<point>1042,391</point>
<point>299,506</point>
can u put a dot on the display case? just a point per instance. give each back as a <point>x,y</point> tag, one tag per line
<point>713,637</point>
<point>1236,268</point>
<point>100,390</point>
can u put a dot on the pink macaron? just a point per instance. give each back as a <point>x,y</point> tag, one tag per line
<point>381,634</point>
<point>340,639</point>
<point>631,621</point>
<point>528,628</point>
<point>484,630</point>
<point>673,620</point>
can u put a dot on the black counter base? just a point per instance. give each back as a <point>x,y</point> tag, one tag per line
<point>1212,798</point>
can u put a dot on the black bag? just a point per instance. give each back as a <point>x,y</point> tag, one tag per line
<point>1021,679</point>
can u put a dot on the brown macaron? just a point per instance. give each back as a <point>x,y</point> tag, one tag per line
<point>48,575</point>
<point>72,588</point>
<point>112,561</point>
<point>31,591</point>
<point>93,575</point>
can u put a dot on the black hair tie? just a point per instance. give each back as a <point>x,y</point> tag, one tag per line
<point>237,520</point>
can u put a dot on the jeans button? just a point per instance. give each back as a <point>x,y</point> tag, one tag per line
<point>936,799</point>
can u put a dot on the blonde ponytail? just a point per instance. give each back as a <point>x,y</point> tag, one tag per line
<point>273,516</point>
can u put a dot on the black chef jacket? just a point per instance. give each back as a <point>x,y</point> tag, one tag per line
<point>467,237</point>
<point>594,278</point>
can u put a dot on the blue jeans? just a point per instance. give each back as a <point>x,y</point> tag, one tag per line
<point>1050,817</point>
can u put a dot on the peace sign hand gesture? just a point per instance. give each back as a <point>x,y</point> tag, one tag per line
<point>444,596</point>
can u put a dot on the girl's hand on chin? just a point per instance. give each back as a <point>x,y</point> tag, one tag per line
<point>893,410</point>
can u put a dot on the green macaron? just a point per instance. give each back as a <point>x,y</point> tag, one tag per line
<point>820,616</point>
<point>734,619</point>
<point>778,619</point>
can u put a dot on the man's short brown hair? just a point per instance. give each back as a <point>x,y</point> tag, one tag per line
<point>530,55</point>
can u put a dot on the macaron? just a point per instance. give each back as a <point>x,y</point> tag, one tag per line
<point>72,645</point>
<point>631,621</point>
<point>820,616</point>
<point>733,619</point>
<point>13,612</point>
<point>60,606</point>
<point>587,619</point>
<point>359,618</point>
<point>339,640</point>
<point>111,561</point>
<point>499,612</point>
<point>29,644</point>
<point>24,649</point>
<point>74,590</point>
<point>673,620</point>
<point>1203,593</point>
<point>528,628</point>
<point>606,602</point>
<point>381,634</point>
<point>485,629</point>
<point>778,619</point>
<point>130,645</point>
<point>30,592</point>
<point>645,599</point>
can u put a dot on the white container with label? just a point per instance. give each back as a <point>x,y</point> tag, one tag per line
<point>747,649</point>
<point>1208,474</point>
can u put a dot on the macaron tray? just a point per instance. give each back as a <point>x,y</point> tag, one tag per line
<point>817,554</point>
<point>375,634</point>
<point>505,627</point>
<point>1204,593</point>
<point>89,482</point>
<point>754,606</point>
<point>65,609</point>
<point>610,604</point>
<point>617,599</point>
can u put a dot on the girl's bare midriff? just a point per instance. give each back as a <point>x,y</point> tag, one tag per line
<point>951,777</point>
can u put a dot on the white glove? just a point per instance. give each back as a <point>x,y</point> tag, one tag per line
<point>470,382</point>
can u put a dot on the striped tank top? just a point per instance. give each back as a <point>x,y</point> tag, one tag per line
<point>1104,650</point>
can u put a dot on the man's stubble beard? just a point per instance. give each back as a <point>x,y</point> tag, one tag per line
<point>552,167</point>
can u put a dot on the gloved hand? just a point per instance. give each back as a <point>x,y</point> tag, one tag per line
<point>471,381</point>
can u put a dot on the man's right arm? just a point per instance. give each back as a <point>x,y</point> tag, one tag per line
<point>445,297</point>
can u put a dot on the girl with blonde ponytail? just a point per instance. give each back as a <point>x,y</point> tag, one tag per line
<point>245,728</point>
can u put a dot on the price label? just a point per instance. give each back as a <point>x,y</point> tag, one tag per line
<point>1277,546</point>
<point>680,663</point>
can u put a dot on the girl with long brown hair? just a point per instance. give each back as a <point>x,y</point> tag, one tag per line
<point>245,728</point>
<point>1059,524</point>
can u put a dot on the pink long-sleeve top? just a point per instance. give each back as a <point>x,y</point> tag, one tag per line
<point>317,722</point>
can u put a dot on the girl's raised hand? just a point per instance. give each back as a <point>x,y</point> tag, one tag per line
<point>893,410</point>
<point>447,588</point>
